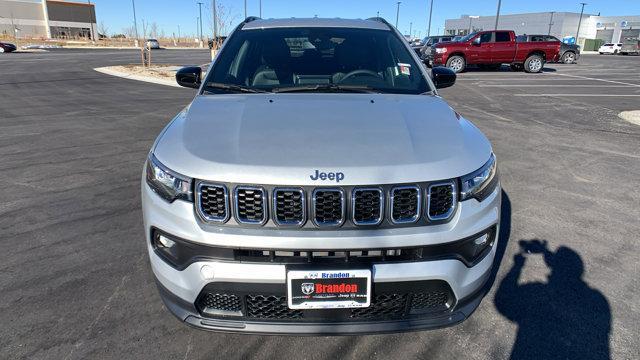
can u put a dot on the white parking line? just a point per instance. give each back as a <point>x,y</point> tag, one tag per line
<point>577,95</point>
<point>558,85</point>
<point>603,80</point>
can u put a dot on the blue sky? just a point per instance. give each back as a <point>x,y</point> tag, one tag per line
<point>169,14</point>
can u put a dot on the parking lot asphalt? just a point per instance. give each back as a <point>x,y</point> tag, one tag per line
<point>75,281</point>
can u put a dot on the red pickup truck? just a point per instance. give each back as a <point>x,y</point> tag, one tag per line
<point>493,48</point>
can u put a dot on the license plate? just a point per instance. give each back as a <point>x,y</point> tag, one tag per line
<point>329,289</point>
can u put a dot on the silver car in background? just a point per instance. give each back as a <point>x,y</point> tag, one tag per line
<point>318,184</point>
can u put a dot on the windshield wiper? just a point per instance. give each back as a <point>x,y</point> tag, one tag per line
<point>231,87</point>
<point>327,88</point>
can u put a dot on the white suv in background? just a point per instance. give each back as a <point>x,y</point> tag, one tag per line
<point>610,48</point>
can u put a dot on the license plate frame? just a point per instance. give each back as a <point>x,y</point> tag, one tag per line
<point>336,292</point>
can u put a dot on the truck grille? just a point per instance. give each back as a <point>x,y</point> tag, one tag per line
<point>405,204</point>
<point>250,205</point>
<point>367,206</point>
<point>213,202</point>
<point>442,198</point>
<point>270,307</point>
<point>328,207</point>
<point>289,206</point>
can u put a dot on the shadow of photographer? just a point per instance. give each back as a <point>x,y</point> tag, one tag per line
<point>562,318</point>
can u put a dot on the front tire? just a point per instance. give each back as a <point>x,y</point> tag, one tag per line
<point>533,64</point>
<point>1,50</point>
<point>456,63</point>
<point>569,58</point>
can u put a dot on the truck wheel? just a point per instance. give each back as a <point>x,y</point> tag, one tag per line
<point>569,57</point>
<point>456,63</point>
<point>516,67</point>
<point>533,64</point>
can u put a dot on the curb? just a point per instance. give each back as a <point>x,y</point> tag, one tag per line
<point>107,71</point>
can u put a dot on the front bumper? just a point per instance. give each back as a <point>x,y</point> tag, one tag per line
<point>180,289</point>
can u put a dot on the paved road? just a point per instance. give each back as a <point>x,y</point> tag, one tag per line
<point>74,276</point>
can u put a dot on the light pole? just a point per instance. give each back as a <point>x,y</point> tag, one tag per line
<point>135,22</point>
<point>470,18</point>
<point>410,28</point>
<point>550,23</point>
<point>245,9</point>
<point>430,12</point>
<point>200,18</point>
<point>497,15</point>
<point>398,13</point>
<point>580,21</point>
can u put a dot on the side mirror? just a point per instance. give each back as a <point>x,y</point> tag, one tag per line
<point>443,77</point>
<point>189,77</point>
<point>476,41</point>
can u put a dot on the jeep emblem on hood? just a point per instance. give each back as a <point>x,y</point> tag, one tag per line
<point>333,176</point>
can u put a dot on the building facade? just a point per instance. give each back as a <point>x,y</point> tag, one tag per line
<point>558,24</point>
<point>55,19</point>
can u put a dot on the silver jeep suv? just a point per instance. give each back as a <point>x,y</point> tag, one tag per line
<point>317,184</point>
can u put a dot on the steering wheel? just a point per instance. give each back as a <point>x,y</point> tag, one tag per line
<point>360,72</point>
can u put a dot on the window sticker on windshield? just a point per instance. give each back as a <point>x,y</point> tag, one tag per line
<point>405,69</point>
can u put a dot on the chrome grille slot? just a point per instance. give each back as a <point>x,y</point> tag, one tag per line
<point>405,204</point>
<point>250,205</point>
<point>441,200</point>
<point>212,202</point>
<point>367,206</point>
<point>289,207</point>
<point>328,207</point>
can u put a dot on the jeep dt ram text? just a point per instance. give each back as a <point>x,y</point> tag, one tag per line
<point>317,184</point>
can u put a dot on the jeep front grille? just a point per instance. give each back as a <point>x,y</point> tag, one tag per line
<point>367,206</point>
<point>349,207</point>
<point>289,207</point>
<point>442,200</point>
<point>328,207</point>
<point>405,204</point>
<point>213,202</point>
<point>250,205</point>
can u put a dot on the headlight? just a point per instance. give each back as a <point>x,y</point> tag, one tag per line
<point>167,184</point>
<point>480,183</point>
<point>441,50</point>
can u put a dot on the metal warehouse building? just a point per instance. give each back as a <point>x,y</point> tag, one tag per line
<point>47,19</point>
<point>558,24</point>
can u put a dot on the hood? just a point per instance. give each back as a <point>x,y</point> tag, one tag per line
<point>284,138</point>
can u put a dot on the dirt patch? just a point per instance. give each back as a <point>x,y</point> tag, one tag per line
<point>165,72</point>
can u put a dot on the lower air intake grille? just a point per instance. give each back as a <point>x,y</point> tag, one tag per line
<point>405,204</point>
<point>211,302</point>
<point>213,202</point>
<point>289,206</point>
<point>328,207</point>
<point>435,300</point>
<point>250,205</point>
<point>441,201</point>
<point>383,306</point>
<point>367,206</point>
<point>270,307</point>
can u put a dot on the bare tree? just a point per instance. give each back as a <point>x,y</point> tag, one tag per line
<point>129,31</point>
<point>144,28</point>
<point>153,30</point>
<point>225,19</point>
<point>103,29</point>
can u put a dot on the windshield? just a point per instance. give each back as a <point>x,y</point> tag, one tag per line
<point>316,59</point>
<point>467,37</point>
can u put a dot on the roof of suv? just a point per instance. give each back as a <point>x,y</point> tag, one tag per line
<point>315,22</point>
